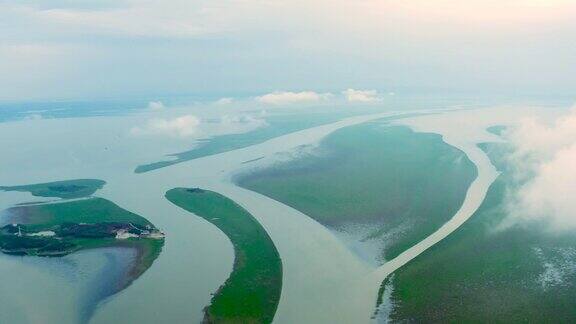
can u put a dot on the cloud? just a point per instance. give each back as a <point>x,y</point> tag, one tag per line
<point>224,101</point>
<point>183,126</point>
<point>544,161</point>
<point>287,97</point>
<point>183,44</point>
<point>237,124</point>
<point>362,95</point>
<point>190,126</point>
<point>156,105</point>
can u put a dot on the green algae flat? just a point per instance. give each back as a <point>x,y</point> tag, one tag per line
<point>66,189</point>
<point>388,183</point>
<point>277,126</point>
<point>252,292</point>
<point>486,273</point>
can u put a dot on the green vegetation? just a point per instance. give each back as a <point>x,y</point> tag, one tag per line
<point>382,183</point>
<point>277,126</point>
<point>67,189</point>
<point>65,238</point>
<point>487,272</point>
<point>59,229</point>
<point>252,292</point>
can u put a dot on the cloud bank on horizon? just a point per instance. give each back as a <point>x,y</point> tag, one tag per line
<point>362,95</point>
<point>77,49</point>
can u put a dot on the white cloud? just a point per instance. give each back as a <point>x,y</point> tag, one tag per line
<point>190,126</point>
<point>287,97</point>
<point>224,101</point>
<point>537,137</point>
<point>545,157</point>
<point>183,126</point>
<point>230,124</point>
<point>353,95</point>
<point>156,105</point>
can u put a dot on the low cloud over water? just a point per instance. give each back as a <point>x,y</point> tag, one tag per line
<point>544,161</point>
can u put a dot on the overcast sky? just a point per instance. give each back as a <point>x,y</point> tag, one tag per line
<point>73,49</point>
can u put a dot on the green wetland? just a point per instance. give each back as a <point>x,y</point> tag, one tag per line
<point>381,188</point>
<point>487,272</point>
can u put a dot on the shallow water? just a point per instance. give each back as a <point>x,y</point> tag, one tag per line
<point>58,290</point>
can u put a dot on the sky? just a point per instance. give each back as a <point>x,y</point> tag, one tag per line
<point>86,49</point>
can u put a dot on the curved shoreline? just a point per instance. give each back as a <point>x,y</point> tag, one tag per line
<point>486,175</point>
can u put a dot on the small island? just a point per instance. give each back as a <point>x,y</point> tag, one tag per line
<point>67,189</point>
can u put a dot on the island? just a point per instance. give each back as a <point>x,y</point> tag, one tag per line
<point>75,223</point>
<point>67,189</point>
<point>252,292</point>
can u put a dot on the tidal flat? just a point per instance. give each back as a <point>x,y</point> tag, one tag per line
<point>382,187</point>
<point>252,292</point>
